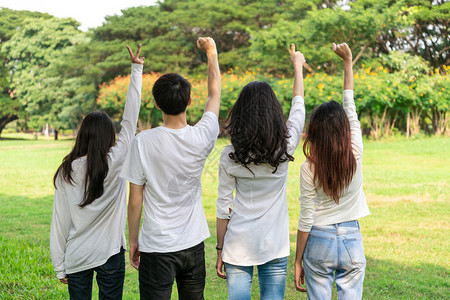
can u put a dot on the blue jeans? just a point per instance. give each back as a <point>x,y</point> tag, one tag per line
<point>272,280</point>
<point>334,251</point>
<point>110,277</point>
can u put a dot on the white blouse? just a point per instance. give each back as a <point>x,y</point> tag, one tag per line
<point>84,238</point>
<point>317,208</point>
<point>258,230</point>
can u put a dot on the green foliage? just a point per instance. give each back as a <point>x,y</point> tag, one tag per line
<point>31,54</point>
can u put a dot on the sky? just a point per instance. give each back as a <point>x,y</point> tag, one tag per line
<point>90,13</point>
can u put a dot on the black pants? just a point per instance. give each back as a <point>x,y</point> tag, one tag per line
<point>158,270</point>
<point>110,277</point>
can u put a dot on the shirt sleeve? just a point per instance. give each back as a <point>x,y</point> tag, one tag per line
<point>130,112</point>
<point>59,230</point>
<point>295,123</point>
<point>355,126</point>
<point>208,128</point>
<point>132,168</point>
<point>308,193</point>
<point>227,184</point>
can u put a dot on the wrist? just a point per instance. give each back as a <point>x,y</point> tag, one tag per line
<point>348,59</point>
<point>219,248</point>
<point>211,52</point>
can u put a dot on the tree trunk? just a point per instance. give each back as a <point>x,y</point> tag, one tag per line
<point>56,134</point>
<point>5,120</point>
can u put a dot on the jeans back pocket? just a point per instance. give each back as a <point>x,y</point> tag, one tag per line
<point>318,248</point>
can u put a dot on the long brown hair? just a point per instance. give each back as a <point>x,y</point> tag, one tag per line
<point>328,147</point>
<point>257,128</point>
<point>94,140</point>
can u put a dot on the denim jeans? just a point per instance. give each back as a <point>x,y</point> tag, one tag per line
<point>334,251</point>
<point>110,277</point>
<point>272,280</point>
<point>157,272</point>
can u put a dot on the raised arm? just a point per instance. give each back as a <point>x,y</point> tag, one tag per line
<point>207,45</point>
<point>298,60</point>
<point>343,51</point>
<point>296,119</point>
<point>132,106</point>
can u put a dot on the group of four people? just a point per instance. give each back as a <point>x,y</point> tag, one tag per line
<point>164,167</point>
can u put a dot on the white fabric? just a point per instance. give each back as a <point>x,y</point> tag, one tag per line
<point>258,230</point>
<point>170,163</point>
<point>84,238</point>
<point>352,204</point>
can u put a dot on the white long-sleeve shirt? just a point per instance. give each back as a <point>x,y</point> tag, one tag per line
<point>258,230</point>
<point>317,208</point>
<point>84,238</point>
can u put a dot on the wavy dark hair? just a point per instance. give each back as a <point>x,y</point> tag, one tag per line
<point>257,128</point>
<point>328,147</point>
<point>95,138</point>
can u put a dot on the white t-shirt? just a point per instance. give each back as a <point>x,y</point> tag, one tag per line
<point>169,162</point>
<point>352,204</point>
<point>258,230</point>
<point>84,238</point>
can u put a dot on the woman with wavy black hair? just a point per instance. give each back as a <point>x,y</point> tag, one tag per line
<point>329,242</point>
<point>89,208</point>
<point>253,228</point>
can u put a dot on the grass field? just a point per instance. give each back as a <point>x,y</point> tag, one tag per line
<point>406,238</point>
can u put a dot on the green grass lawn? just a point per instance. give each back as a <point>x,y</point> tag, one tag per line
<point>406,238</point>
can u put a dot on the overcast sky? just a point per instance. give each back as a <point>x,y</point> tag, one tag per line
<point>90,13</point>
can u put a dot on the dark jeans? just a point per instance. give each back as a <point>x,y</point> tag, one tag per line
<point>110,277</point>
<point>158,270</point>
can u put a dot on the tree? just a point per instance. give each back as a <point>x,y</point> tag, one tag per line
<point>32,55</point>
<point>10,22</point>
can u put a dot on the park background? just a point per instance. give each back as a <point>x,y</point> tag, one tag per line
<point>52,74</point>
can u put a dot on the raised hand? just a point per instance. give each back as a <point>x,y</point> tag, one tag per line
<point>297,58</point>
<point>207,45</point>
<point>136,59</point>
<point>343,51</point>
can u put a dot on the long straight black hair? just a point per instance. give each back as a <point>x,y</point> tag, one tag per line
<point>94,140</point>
<point>257,128</point>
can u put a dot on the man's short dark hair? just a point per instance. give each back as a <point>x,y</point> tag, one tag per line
<point>172,93</point>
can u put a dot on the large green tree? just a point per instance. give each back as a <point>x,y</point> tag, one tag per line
<point>10,23</point>
<point>33,54</point>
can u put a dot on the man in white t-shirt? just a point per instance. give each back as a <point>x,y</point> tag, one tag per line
<point>164,168</point>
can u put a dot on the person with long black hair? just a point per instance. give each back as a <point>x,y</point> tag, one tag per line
<point>329,242</point>
<point>89,208</point>
<point>253,228</point>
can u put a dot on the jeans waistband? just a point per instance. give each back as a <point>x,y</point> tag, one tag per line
<point>335,227</point>
<point>354,223</point>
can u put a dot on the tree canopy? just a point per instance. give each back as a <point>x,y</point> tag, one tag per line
<point>54,73</point>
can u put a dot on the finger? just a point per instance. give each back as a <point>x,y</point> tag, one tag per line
<point>292,48</point>
<point>143,58</point>
<point>138,50</point>
<point>129,51</point>
<point>334,47</point>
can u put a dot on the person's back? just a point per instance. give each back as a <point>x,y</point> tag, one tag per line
<point>89,210</point>
<point>329,241</point>
<point>164,168</point>
<point>253,226</point>
<point>171,165</point>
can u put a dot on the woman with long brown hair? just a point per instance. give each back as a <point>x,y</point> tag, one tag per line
<point>329,242</point>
